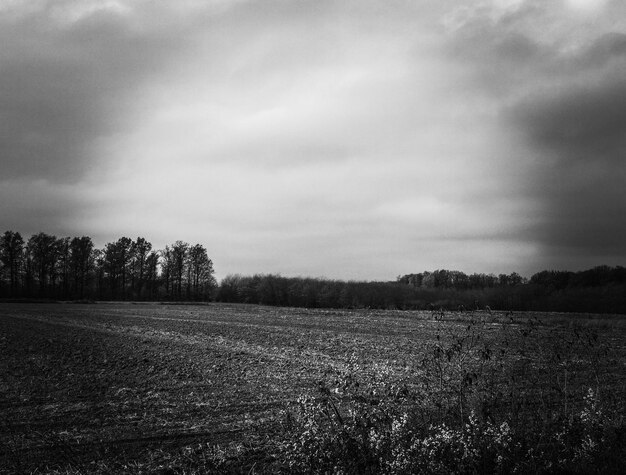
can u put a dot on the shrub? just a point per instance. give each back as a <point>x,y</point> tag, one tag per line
<point>482,403</point>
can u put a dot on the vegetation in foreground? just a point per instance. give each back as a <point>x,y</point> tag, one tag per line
<point>478,405</point>
<point>159,389</point>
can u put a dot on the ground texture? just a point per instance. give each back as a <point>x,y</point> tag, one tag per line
<point>115,385</point>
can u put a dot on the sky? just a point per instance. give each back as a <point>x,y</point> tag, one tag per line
<point>352,139</point>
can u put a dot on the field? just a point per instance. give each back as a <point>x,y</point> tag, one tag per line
<point>149,387</point>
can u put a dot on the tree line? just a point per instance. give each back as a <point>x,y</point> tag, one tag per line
<point>50,267</point>
<point>453,279</point>
<point>601,289</point>
<point>548,279</point>
<point>270,289</point>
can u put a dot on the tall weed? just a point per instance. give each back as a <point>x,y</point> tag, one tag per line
<point>487,397</point>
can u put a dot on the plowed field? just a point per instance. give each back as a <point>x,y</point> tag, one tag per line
<point>82,384</point>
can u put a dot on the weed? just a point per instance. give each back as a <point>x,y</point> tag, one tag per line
<point>487,399</point>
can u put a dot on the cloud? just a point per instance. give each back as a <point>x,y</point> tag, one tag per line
<point>578,121</point>
<point>68,69</point>
<point>347,139</point>
<point>318,138</point>
<point>560,92</point>
<point>578,129</point>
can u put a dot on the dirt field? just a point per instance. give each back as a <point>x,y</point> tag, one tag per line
<point>81,385</point>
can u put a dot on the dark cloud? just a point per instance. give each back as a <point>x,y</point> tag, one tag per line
<point>576,129</point>
<point>606,48</point>
<point>590,219</point>
<point>559,85</point>
<point>579,135</point>
<point>586,122</point>
<point>64,86</point>
<point>499,63</point>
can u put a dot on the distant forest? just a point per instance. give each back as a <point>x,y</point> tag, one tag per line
<point>48,267</point>
<point>601,289</point>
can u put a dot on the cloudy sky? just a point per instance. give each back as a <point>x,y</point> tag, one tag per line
<point>352,139</point>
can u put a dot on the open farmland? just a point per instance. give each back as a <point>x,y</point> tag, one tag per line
<point>144,386</point>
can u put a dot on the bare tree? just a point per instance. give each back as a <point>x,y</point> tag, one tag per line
<point>200,280</point>
<point>82,261</point>
<point>140,250</point>
<point>151,274</point>
<point>62,268</point>
<point>117,257</point>
<point>12,255</point>
<point>180,250</point>
<point>42,251</point>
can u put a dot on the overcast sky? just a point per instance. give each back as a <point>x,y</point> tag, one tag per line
<point>347,139</point>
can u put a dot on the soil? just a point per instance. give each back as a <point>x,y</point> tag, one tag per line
<point>83,384</point>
